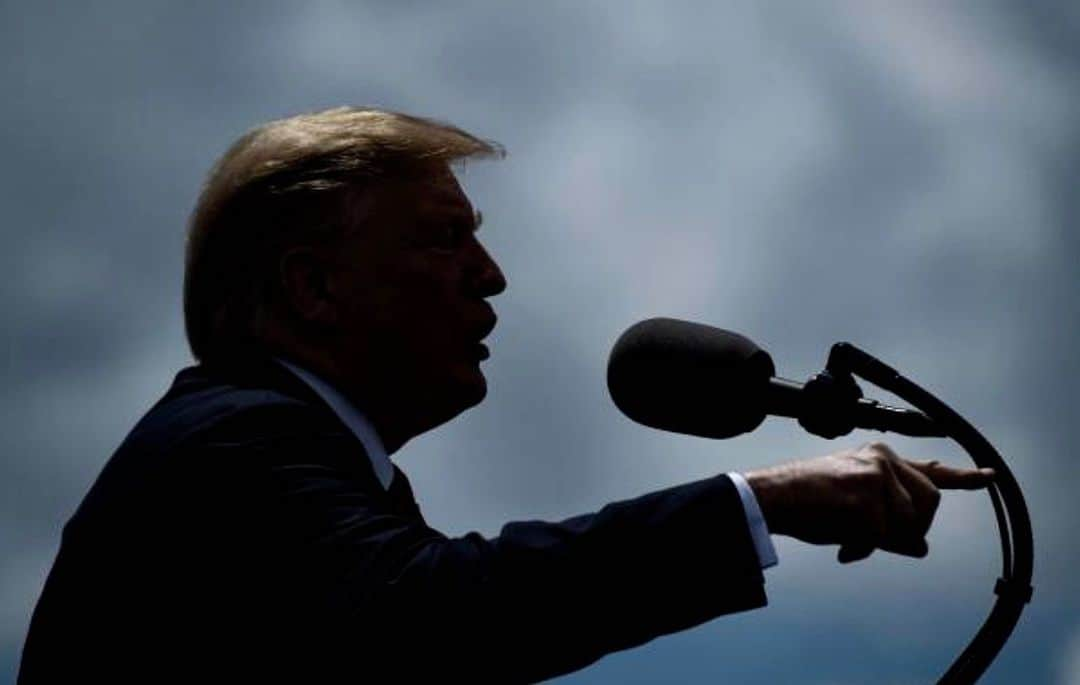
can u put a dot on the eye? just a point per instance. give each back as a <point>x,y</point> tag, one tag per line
<point>448,236</point>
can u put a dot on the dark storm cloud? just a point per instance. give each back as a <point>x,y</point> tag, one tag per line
<point>900,175</point>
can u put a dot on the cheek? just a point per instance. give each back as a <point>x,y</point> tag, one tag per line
<point>434,292</point>
<point>417,306</point>
<point>419,321</point>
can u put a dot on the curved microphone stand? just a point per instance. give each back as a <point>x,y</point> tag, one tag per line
<point>836,396</point>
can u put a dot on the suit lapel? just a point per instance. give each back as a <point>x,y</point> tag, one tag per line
<point>401,494</point>
<point>260,371</point>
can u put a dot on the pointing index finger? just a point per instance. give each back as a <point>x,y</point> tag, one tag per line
<point>953,478</point>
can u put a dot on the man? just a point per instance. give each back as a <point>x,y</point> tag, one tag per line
<point>252,527</point>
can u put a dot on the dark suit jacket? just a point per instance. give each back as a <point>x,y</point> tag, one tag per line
<point>239,534</point>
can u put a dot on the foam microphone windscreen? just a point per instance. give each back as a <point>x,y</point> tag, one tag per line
<point>689,378</point>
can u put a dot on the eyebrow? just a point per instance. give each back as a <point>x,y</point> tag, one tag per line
<point>457,214</point>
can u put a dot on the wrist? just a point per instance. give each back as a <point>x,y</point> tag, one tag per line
<point>767,485</point>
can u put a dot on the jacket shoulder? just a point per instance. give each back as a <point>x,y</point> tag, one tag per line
<point>225,415</point>
<point>203,438</point>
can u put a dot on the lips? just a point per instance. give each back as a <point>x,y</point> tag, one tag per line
<point>485,326</point>
<point>481,331</point>
<point>488,326</point>
<point>481,351</point>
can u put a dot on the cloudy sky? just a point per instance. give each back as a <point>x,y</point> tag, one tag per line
<point>902,175</point>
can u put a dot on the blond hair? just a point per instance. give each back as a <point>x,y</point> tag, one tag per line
<point>285,183</point>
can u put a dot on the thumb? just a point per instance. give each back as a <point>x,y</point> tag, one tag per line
<point>850,553</point>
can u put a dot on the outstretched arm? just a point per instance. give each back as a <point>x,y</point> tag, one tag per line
<point>537,600</point>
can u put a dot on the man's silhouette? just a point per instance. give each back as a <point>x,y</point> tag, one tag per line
<point>252,527</point>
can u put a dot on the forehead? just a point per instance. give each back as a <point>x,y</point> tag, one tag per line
<point>396,206</point>
<point>429,191</point>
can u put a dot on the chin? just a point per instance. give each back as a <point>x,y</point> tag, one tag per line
<point>463,397</point>
<point>471,386</point>
<point>464,387</point>
<point>477,391</point>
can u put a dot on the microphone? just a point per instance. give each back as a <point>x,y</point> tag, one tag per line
<point>696,379</point>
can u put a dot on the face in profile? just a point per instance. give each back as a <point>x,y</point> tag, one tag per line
<point>415,282</point>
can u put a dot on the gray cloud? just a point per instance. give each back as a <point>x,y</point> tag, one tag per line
<point>900,175</point>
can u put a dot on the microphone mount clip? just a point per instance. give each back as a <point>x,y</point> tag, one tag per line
<point>831,399</point>
<point>838,396</point>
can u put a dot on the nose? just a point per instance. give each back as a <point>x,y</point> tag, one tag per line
<point>486,278</point>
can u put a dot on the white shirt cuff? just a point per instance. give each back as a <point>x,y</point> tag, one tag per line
<point>759,532</point>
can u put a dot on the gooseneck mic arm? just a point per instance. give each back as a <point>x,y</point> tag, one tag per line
<point>1014,525</point>
<point>696,379</point>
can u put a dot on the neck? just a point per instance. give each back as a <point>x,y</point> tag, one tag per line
<point>382,403</point>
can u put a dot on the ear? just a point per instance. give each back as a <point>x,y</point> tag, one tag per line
<point>306,281</point>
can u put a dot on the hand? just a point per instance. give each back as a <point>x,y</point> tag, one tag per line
<point>861,499</point>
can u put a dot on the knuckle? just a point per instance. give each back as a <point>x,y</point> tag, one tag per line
<point>879,447</point>
<point>928,511</point>
<point>868,478</point>
<point>907,511</point>
<point>934,498</point>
